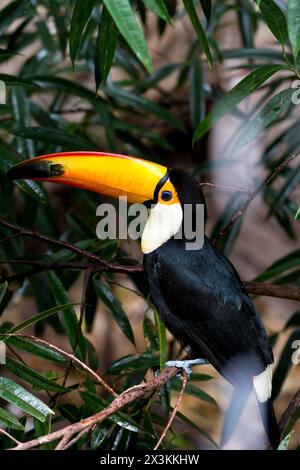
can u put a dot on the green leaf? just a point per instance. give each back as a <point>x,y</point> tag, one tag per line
<point>126,22</point>
<point>237,94</point>
<point>67,316</point>
<point>197,96</point>
<point>14,80</point>
<point>206,7</point>
<point>293,17</point>
<point>81,14</point>
<point>277,105</point>
<point>38,381</point>
<point>100,432</point>
<point>275,19</point>
<point>191,11</point>
<point>284,444</point>
<point>49,135</point>
<point>3,288</point>
<point>297,213</point>
<point>19,397</point>
<point>290,183</point>
<point>133,362</point>
<point>159,8</point>
<point>9,420</point>
<point>162,337</point>
<point>105,47</point>
<point>194,425</point>
<point>115,307</point>
<point>40,350</point>
<point>36,318</point>
<point>194,391</point>
<point>139,102</point>
<point>8,158</point>
<point>21,112</point>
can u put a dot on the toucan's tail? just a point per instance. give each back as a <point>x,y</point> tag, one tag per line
<point>263,389</point>
<point>270,423</point>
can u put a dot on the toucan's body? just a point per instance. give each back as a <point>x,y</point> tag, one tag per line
<point>198,293</point>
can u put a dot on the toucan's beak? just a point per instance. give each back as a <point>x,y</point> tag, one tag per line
<point>108,174</point>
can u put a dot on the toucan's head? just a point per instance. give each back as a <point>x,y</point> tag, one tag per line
<point>118,175</point>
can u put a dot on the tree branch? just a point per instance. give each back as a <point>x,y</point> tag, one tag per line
<point>118,403</point>
<point>105,266</point>
<point>288,292</point>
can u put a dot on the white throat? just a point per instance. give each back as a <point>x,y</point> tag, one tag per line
<point>163,223</point>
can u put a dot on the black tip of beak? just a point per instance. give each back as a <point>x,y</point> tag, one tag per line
<point>35,169</point>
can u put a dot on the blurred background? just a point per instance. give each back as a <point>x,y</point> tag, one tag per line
<point>78,77</point>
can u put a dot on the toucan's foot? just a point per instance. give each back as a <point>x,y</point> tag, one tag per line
<point>187,365</point>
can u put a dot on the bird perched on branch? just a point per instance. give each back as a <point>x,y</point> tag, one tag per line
<point>197,292</point>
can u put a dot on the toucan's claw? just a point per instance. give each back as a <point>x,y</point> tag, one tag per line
<point>186,365</point>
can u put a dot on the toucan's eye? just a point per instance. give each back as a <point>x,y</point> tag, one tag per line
<point>166,196</point>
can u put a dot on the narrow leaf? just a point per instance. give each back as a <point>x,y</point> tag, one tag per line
<point>197,97</point>
<point>191,11</point>
<point>126,22</point>
<point>275,19</point>
<point>277,105</point>
<point>159,8</point>
<point>9,420</point>
<point>8,158</point>
<point>68,316</point>
<point>237,94</point>
<point>38,381</point>
<point>36,318</point>
<point>81,14</point>
<point>294,25</point>
<point>206,7</point>
<point>40,350</point>
<point>3,288</point>
<point>284,444</point>
<point>115,307</point>
<point>163,344</point>
<point>105,47</point>
<point>18,396</point>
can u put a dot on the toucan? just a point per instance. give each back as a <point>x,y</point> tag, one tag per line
<point>198,293</point>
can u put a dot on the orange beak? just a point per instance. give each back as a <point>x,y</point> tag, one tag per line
<point>109,174</point>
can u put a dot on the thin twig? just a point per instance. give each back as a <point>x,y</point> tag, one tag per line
<point>293,405</point>
<point>226,188</point>
<point>105,266</point>
<point>129,396</point>
<point>80,365</point>
<point>255,193</point>
<point>75,439</point>
<point>9,436</point>
<point>175,409</point>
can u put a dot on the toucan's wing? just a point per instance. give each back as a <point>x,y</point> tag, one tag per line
<point>202,301</point>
